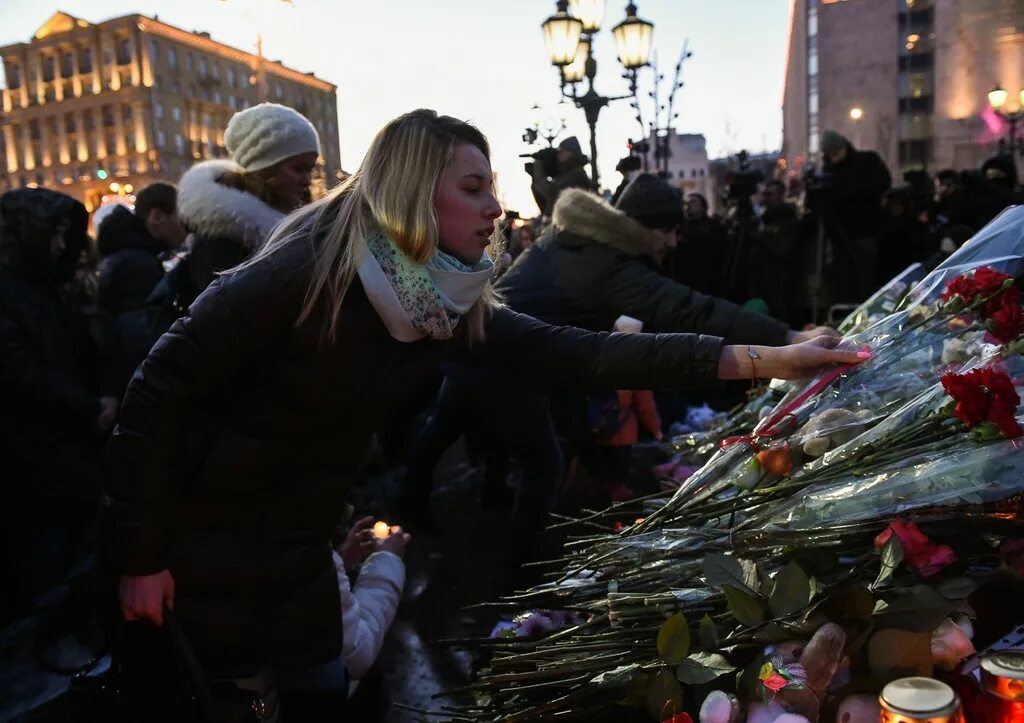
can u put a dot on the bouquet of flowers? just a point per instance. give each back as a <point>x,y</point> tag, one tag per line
<point>840,540</point>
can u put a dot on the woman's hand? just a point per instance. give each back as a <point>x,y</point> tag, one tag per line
<point>796,361</point>
<point>358,544</point>
<point>395,542</point>
<point>142,596</point>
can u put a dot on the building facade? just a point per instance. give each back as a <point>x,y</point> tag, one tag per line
<point>687,165</point>
<point>906,78</point>
<point>99,110</point>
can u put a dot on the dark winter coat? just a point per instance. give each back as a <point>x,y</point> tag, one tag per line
<point>702,256</point>
<point>775,263</point>
<point>129,272</point>
<point>226,225</point>
<point>241,433</point>
<point>596,264</point>
<point>856,185</point>
<point>48,364</point>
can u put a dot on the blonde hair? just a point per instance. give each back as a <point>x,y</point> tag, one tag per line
<point>263,184</point>
<point>392,192</point>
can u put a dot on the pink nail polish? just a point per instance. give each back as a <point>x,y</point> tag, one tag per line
<point>863,355</point>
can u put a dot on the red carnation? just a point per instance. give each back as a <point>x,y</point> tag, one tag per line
<point>679,718</point>
<point>988,281</point>
<point>1007,316</point>
<point>962,286</point>
<point>985,395</point>
<point>921,554</point>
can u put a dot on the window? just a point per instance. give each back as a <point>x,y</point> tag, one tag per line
<point>154,50</point>
<point>108,116</point>
<point>13,76</point>
<point>188,63</point>
<point>230,77</point>
<point>216,97</point>
<point>176,113</point>
<point>215,70</point>
<point>69,123</point>
<point>49,67</point>
<point>158,109</point>
<point>812,61</point>
<point>158,82</point>
<point>179,143</point>
<point>85,61</point>
<point>280,91</point>
<point>812,101</point>
<point>702,173</point>
<point>202,67</point>
<point>67,64</point>
<point>172,58</point>
<point>161,139</point>
<point>33,129</point>
<point>232,102</point>
<point>175,86</point>
<point>124,51</point>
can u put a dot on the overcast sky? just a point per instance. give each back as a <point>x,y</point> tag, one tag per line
<point>484,60</point>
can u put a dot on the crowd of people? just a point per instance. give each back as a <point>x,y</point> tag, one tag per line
<point>190,398</point>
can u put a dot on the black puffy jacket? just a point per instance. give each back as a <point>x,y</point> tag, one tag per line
<point>241,433</point>
<point>129,272</point>
<point>49,367</point>
<point>596,264</point>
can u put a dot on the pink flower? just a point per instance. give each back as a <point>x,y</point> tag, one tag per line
<point>921,554</point>
<point>775,682</point>
<point>950,644</point>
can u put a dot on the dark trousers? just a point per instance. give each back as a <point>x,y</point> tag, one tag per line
<point>507,416</point>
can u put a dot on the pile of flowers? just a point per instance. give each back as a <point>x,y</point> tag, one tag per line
<point>836,535</point>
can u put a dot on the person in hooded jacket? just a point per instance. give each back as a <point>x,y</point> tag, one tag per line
<point>55,408</point>
<point>131,244</point>
<point>230,206</point>
<point>243,429</point>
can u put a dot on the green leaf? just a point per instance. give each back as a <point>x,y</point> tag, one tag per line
<point>722,570</point>
<point>664,695</point>
<point>921,609</point>
<point>616,678</point>
<point>792,591</point>
<point>743,606</point>
<point>708,633</point>
<point>892,556</point>
<point>957,588</point>
<point>703,668</point>
<point>674,639</point>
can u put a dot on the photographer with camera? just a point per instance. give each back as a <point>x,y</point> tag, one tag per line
<point>555,169</point>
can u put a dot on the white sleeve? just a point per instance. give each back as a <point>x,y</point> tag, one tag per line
<point>367,611</point>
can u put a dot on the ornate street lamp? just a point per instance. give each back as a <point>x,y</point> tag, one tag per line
<point>562,35</point>
<point>569,40</point>
<point>997,98</point>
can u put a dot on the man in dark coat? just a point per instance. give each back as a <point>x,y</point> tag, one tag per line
<point>774,262</point>
<point>856,181</point>
<point>702,255</point>
<point>53,413</point>
<point>131,245</point>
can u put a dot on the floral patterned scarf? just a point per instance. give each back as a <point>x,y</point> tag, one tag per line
<point>420,300</point>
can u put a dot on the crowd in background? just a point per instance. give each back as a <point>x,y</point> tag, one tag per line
<point>77,318</point>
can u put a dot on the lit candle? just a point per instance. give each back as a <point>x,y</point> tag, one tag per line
<point>381,530</point>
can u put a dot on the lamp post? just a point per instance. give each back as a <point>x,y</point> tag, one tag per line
<point>569,39</point>
<point>543,127</point>
<point>997,98</point>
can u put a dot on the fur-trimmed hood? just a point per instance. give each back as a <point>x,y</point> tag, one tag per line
<point>212,210</point>
<point>586,214</point>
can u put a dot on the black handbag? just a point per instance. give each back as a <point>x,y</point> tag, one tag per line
<point>172,690</point>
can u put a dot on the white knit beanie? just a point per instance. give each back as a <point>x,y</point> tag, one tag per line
<point>267,133</point>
